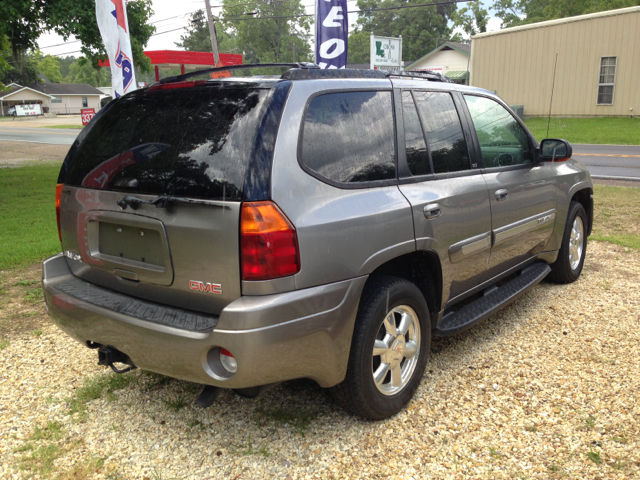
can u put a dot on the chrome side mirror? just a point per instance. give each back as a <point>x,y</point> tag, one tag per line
<point>555,150</point>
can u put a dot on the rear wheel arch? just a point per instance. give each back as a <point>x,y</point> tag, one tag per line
<point>421,268</point>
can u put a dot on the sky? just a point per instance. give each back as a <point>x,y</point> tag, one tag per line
<point>170,17</point>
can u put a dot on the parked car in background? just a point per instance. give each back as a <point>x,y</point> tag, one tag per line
<point>240,232</point>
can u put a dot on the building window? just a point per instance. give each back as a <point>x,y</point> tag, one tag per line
<point>56,100</point>
<point>85,103</point>
<point>607,80</point>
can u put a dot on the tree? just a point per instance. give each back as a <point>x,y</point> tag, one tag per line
<point>471,19</point>
<point>197,38</point>
<point>23,21</point>
<point>422,28</point>
<point>520,12</point>
<point>22,72</point>
<point>65,63</point>
<point>83,72</point>
<point>49,66</point>
<point>78,18</point>
<point>359,46</point>
<point>267,32</point>
<point>5,53</point>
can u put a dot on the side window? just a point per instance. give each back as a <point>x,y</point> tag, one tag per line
<point>444,133</point>
<point>349,137</point>
<point>85,103</point>
<point>417,155</point>
<point>502,140</point>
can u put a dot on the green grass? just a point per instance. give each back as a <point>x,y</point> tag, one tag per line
<point>175,404</point>
<point>4,344</point>
<point>28,231</point>
<point>617,216</point>
<point>611,130</point>
<point>299,419</point>
<point>76,127</point>
<point>40,459</point>
<point>96,387</point>
<point>53,431</point>
<point>33,296</point>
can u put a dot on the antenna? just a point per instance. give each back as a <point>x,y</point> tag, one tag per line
<point>553,85</point>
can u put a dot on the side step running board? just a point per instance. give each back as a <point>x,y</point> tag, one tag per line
<point>496,299</point>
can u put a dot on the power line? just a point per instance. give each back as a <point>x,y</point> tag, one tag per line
<point>374,10</point>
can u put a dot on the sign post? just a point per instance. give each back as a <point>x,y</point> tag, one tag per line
<point>386,53</point>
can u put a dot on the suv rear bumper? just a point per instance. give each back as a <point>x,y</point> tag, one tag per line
<point>300,334</point>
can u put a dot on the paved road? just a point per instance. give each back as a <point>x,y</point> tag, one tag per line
<point>57,136</point>
<point>607,161</point>
<point>610,161</point>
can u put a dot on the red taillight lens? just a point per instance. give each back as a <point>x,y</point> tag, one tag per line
<point>269,246</point>
<point>58,196</point>
<point>170,86</point>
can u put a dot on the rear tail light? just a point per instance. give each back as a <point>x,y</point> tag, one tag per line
<point>58,196</point>
<point>269,245</point>
<point>171,86</point>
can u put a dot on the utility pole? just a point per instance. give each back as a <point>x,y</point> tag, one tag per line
<point>212,34</point>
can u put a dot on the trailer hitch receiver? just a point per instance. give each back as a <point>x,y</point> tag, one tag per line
<point>107,356</point>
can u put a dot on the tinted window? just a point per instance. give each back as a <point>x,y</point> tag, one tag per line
<point>349,137</point>
<point>444,133</point>
<point>502,140</point>
<point>190,142</point>
<point>417,156</point>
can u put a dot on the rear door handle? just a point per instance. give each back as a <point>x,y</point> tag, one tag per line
<point>432,210</point>
<point>502,194</point>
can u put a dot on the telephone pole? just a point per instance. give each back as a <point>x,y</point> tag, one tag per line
<point>212,34</point>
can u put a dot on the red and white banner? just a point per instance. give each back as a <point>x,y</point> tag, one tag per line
<point>114,28</point>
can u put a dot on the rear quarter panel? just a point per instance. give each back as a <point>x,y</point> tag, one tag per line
<point>342,233</point>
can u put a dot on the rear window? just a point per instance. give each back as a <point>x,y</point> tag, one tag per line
<point>187,142</point>
<point>349,137</point>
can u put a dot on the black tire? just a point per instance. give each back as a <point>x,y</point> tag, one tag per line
<point>561,269</point>
<point>358,392</point>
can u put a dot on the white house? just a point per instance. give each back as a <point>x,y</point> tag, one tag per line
<point>60,98</point>
<point>450,59</point>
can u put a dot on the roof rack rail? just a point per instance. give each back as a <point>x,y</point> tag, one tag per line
<point>314,74</point>
<point>427,75</point>
<point>184,76</point>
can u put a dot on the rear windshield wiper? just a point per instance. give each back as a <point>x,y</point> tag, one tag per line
<point>162,202</point>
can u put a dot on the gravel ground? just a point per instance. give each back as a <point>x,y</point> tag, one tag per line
<point>547,388</point>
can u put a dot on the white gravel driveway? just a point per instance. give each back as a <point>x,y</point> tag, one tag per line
<point>548,388</point>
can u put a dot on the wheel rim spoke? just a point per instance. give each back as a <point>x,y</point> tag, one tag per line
<point>390,324</point>
<point>380,348</point>
<point>381,373</point>
<point>396,376</point>
<point>410,349</point>
<point>405,323</point>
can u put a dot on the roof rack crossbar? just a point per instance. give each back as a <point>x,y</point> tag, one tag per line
<point>427,75</point>
<point>180,78</point>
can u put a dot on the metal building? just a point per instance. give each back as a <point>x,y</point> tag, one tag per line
<point>597,70</point>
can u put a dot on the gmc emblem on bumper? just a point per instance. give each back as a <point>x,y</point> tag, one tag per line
<point>205,287</point>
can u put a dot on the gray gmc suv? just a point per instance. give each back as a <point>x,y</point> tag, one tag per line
<point>244,231</point>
